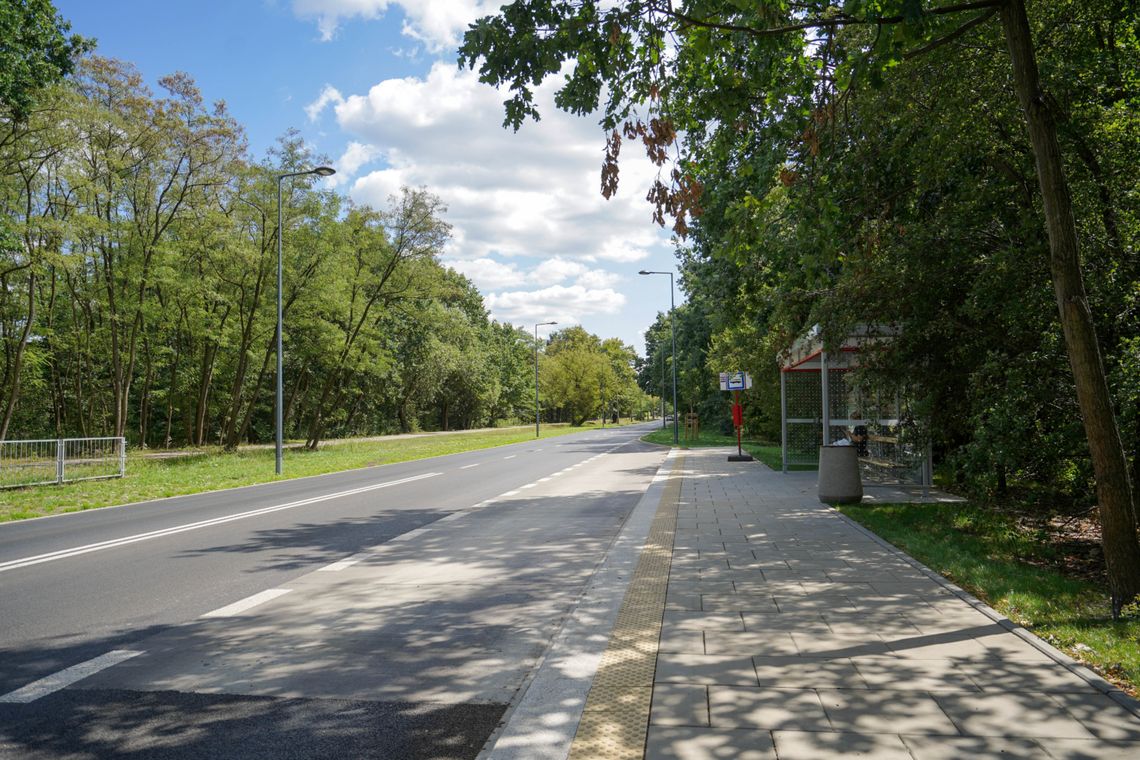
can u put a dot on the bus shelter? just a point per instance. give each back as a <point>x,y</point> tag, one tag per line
<point>821,403</point>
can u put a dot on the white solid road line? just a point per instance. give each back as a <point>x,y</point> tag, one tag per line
<point>248,603</point>
<point>64,678</point>
<point>65,553</point>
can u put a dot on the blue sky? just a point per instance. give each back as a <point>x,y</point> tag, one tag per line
<point>373,85</point>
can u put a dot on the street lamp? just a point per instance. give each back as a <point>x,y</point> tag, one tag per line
<point>673,334</point>
<point>536,326</point>
<point>321,171</point>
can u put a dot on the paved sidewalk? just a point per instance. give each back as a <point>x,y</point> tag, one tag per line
<point>790,632</point>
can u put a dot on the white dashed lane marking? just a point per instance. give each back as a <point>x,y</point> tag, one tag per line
<point>64,678</point>
<point>248,603</point>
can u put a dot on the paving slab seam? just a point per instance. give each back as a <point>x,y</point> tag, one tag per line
<point>615,720</point>
<point>541,720</point>
<point>1073,666</point>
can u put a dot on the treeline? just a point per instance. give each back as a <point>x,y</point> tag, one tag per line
<point>138,254</point>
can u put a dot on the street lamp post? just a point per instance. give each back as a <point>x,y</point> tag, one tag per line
<point>673,335</point>
<point>536,326</point>
<point>322,171</point>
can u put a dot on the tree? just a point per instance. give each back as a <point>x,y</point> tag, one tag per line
<point>711,68</point>
<point>37,52</point>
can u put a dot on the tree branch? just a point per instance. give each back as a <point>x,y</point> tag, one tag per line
<point>981,19</point>
<point>836,21</point>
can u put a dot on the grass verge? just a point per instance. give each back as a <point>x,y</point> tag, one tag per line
<point>767,453</point>
<point>1017,570</point>
<point>210,470</point>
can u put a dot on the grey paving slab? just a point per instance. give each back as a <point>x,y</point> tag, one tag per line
<point>826,745</point>
<point>1101,715</point>
<point>665,743</point>
<point>885,711</point>
<point>697,620</point>
<point>794,672</point>
<point>910,674</point>
<point>958,747</point>
<point>1009,714</point>
<point>679,705</point>
<point>1081,749</point>
<point>731,670</point>
<point>750,643</point>
<point>766,708</point>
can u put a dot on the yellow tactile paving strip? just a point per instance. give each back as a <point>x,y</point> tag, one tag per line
<point>616,717</point>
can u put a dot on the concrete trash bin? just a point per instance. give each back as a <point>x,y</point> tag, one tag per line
<point>839,481</point>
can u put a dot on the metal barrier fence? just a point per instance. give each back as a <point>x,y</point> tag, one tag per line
<point>61,460</point>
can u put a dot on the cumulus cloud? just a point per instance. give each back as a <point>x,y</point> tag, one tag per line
<point>534,193</point>
<point>488,274</point>
<point>437,25</point>
<point>556,270</point>
<point>529,225</point>
<point>567,305</point>
<point>355,156</point>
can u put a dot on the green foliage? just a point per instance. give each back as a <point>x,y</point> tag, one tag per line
<point>37,51</point>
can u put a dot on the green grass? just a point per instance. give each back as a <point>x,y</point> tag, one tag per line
<point>1016,570</point>
<point>767,453</point>
<point>148,477</point>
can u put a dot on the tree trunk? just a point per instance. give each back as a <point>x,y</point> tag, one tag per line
<point>144,399</point>
<point>14,390</point>
<point>206,375</point>
<point>1114,491</point>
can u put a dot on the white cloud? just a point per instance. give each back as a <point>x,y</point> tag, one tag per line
<point>598,278</point>
<point>437,24</point>
<point>567,305</point>
<point>488,274</point>
<point>534,193</point>
<point>556,270</point>
<point>329,95</point>
<point>355,156</point>
<point>529,225</point>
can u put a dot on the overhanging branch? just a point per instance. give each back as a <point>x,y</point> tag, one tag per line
<point>825,23</point>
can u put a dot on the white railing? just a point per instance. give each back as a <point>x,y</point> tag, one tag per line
<point>61,460</point>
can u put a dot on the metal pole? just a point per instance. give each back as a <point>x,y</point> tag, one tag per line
<point>321,171</point>
<point>673,333</point>
<point>661,351</point>
<point>826,395</point>
<point>536,326</point>
<point>603,405</point>
<point>536,381</point>
<point>783,420</point>
<point>277,407</point>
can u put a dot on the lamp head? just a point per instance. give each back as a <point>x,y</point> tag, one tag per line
<point>643,271</point>
<point>324,171</point>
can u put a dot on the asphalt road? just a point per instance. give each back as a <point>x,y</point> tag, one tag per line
<point>388,612</point>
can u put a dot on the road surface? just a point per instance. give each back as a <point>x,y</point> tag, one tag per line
<point>390,612</point>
